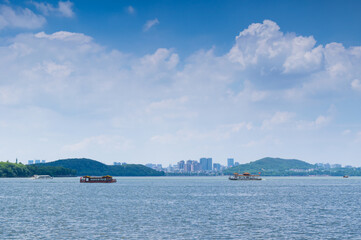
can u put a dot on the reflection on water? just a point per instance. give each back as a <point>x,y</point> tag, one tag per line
<point>181,208</point>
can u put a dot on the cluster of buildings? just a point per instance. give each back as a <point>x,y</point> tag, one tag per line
<point>157,167</point>
<point>204,165</point>
<point>34,161</point>
<point>119,163</point>
<point>329,166</point>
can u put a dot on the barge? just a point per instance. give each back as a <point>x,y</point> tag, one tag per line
<point>245,176</point>
<point>104,179</point>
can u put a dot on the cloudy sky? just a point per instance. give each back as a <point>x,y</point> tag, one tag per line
<point>161,81</point>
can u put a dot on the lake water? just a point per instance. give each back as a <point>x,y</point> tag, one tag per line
<point>181,208</point>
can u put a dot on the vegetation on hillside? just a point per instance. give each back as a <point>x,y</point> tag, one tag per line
<point>85,166</point>
<point>270,166</point>
<point>289,167</point>
<point>19,170</point>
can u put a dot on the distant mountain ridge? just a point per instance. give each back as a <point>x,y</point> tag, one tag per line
<point>272,166</point>
<point>85,166</point>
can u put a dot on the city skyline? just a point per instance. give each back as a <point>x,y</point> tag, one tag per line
<point>152,81</point>
<point>214,165</point>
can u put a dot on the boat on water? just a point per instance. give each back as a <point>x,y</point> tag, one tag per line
<point>104,179</point>
<point>346,176</point>
<point>41,177</point>
<point>245,176</point>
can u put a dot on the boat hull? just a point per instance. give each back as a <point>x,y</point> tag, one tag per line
<point>242,179</point>
<point>113,181</point>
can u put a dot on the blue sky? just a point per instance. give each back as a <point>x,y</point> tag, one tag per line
<point>163,81</point>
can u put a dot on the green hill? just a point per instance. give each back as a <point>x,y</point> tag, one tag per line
<point>273,167</point>
<point>84,166</point>
<point>19,170</point>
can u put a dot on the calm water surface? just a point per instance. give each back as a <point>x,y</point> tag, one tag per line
<point>181,208</point>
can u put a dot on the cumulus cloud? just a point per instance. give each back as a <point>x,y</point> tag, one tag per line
<point>19,18</point>
<point>269,82</point>
<point>64,9</point>
<point>264,44</point>
<point>149,24</point>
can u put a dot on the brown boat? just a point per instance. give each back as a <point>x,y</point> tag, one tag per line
<point>244,176</point>
<point>104,179</point>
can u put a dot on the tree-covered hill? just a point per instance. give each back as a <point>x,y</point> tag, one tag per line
<point>290,167</point>
<point>84,166</point>
<point>19,170</point>
<point>272,166</point>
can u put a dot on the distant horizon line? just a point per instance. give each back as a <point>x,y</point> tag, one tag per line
<point>112,163</point>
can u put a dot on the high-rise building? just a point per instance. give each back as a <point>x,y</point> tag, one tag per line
<point>159,167</point>
<point>209,164</point>
<point>195,167</point>
<point>204,164</point>
<point>43,161</point>
<point>37,161</point>
<point>30,162</point>
<point>216,166</point>
<point>230,162</point>
<point>181,165</point>
<point>188,166</point>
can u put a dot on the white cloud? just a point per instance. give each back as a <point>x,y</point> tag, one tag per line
<point>130,10</point>
<point>252,94</point>
<point>356,85</point>
<point>320,121</point>
<point>149,24</point>
<point>279,118</point>
<point>64,9</point>
<point>238,126</point>
<point>19,18</point>
<point>206,102</point>
<point>65,36</point>
<point>162,61</point>
<point>264,44</point>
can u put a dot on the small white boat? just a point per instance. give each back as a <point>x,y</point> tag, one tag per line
<point>36,177</point>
